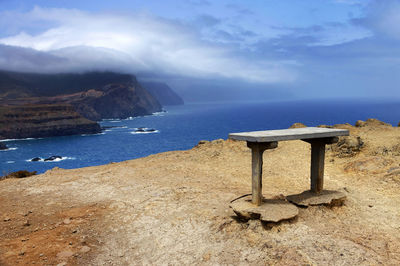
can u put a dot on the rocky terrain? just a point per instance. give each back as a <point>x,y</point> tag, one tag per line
<point>163,93</point>
<point>95,95</point>
<point>172,208</point>
<point>38,121</point>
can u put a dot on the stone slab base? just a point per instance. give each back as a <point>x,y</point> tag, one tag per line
<point>271,210</point>
<point>326,197</point>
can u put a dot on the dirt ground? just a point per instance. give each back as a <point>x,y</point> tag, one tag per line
<point>173,208</point>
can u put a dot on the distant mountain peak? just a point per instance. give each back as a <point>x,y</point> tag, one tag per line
<point>163,93</point>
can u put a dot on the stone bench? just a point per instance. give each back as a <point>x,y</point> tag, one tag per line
<point>259,141</point>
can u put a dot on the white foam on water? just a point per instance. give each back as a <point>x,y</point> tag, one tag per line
<point>144,132</point>
<point>10,149</point>
<point>55,160</point>
<point>10,162</point>
<point>5,140</point>
<point>97,134</point>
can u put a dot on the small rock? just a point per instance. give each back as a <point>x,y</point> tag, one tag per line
<point>65,254</point>
<point>203,142</point>
<point>27,213</point>
<point>3,146</point>
<point>36,159</point>
<point>6,219</point>
<point>360,123</point>
<point>83,240</point>
<point>21,253</point>
<point>67,221</point>
<point>348,146</point>
<point>85,249</point>
<point>62,264</point>
<point>297,125</point>
<point>27,223</point>
<point>52,158</point>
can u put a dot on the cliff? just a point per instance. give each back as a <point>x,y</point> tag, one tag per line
<point>173,208</point>
<point>37,121</point>
<point>96,95</point>
<point>163,93</point>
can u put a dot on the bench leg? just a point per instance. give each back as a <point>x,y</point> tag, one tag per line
<point>257,150</point>
<point>256,169</point>
<point>317,166</point>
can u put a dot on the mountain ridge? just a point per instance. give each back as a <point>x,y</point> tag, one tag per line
<point>93,96</point>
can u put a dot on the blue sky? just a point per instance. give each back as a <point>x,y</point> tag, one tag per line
<point>301,48</point>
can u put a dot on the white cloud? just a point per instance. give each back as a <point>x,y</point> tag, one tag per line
<point>137,42</point>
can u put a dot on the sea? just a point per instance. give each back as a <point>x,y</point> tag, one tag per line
<point>182,127</point>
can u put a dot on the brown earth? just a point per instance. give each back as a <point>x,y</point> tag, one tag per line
<point>172,208</point>
<point>44,120</point>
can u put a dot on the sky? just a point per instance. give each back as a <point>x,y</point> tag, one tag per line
<point>222,49</point>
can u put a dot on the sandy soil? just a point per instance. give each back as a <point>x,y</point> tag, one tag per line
<point>172,208</point>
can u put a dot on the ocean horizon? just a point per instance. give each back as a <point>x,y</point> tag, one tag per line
<point>182,127</point>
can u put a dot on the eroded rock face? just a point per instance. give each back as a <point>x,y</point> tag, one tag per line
<point>348,146</point>
<point>37,121</point>
<point>95,95</point>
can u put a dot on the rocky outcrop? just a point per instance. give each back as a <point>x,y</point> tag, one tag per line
<point>95,96</point>
<point>297,125</point>
<point>348,146</point>
<point>37,121</point>
<point>3,146</point>
<point>371,122</point>
<point>163,93</point>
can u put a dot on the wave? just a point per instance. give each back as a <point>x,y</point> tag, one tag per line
<point>5,140</point>
<point>97,134</point>
<point>144,130</point>
<point>53,161</point>
<point>162,113</point>
<point>10,149</point>
<point>116,127</point>
<point>10,162</point>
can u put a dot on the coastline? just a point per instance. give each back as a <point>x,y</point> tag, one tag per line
<point>172,208</point>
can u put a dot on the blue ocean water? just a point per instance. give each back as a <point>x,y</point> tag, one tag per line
<point>182,127</point>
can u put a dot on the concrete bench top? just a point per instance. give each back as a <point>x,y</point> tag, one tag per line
<point>289,134</point>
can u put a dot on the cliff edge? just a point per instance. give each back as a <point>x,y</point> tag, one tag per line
<point>95,95</point>
<point>38,121</point>
<point>173,208</point>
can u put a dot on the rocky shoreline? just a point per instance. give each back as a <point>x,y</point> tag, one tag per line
<point>64,101</point>
<point>39,121</point>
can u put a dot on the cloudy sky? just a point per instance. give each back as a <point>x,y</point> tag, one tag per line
<point>280,48</point>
